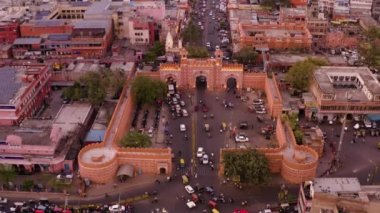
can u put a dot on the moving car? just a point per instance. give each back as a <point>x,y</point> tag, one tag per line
<point>200,152</point>
<point>205,159</point>
<point>116,208</point>
<point>189,189</point>
<point>190,204</point>
<point>241,138</point>
<point>243,125</point>
<point>182,127</point>
<point>185,113</point>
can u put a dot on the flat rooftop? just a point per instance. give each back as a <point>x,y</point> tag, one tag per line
<point>32,132</point>
<point>335,186</point>
<point>11,85</point>
<point>342,81</point>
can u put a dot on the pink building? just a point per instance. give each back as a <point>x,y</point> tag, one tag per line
<point>23,90</point>
<point>45,145</point>
<point>154,9</point>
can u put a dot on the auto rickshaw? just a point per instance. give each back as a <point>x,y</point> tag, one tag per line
<point>185,180</point>
<point>214,211</point>
<point>224,126</point>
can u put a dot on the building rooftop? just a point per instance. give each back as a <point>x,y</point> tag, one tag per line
<point>59,37</point>
<point>93,24</point>
<point>342,81</point>
<point>10,84</point>
<point>22,41</point>
<point>49,23</point>
<point>98,8</point>
<point>336,186</point>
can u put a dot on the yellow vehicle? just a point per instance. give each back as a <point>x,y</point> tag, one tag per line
<point>214,211</point>
<point>182,163</point>
<point>185,180</point>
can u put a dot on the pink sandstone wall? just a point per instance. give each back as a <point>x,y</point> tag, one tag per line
<point>254,80</point>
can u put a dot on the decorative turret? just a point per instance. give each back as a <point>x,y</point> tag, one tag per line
<point>218,53</point>
<point>169,42</point>
<point>183,53</point>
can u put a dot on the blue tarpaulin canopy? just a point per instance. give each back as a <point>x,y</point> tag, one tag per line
<point>375,117</point>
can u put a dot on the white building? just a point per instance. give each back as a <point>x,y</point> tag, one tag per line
<point>361,7</point>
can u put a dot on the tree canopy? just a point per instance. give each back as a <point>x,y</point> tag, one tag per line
<point>7,173</point>
<point>192,34</point>
<point>370,49</point>
<point>246,56</point>
<point>249,166</point>
<point>93,86</point>
<point>135,139</point>
<point>300,73</point>
<point>158,49</point>
<point>146,90</point>
<point>197,52</point>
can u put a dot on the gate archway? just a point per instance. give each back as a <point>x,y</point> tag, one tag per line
<point>231,84</point>
<point>201,82</point>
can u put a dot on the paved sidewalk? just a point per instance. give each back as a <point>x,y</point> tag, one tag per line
<point>95,192</point>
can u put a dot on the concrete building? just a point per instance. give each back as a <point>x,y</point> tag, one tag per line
<point>9,31</point>
<point>293,15</point>
<point>42,145</point>
<point>43,28</point>
<point>341,9</point>
<point>275,36</point>
<point>338,195</point>
<point>376,10</point>
<point>360,7</point>
<point>299,3</point>
<point>341,90</point>
<point>317,25</point>
<point>23,91</point>
<point>326,5</point>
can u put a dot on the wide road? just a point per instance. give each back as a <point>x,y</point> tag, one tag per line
<point>168,192</point>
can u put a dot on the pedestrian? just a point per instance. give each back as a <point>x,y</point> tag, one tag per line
<point>196,175</point>
<point>171,135</point>
<point>363,140</point>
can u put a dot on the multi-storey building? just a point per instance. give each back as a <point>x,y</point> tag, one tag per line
<point>9,31</point>
<point>326,5</point>
<point>376,9</point>
<point>317,25</point>
<point>293,15</point>
<point>274,36</point>
<point>360,7</point>
<point>41,28</point>
<point>142,32</point>
<point>48,145</point>
<point>354,91</point>
<point>341,9</point>
<point>27,48</point>
<point>23,91</point>
<point>337,195</point>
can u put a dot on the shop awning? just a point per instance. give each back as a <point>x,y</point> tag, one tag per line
<point>375,117</point>
<point>126,169</point>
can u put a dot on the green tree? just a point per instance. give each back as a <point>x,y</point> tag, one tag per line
<point>370,49</point>
<point>135,139</point>
<point>158,49</point>
<point>7,173</point>
<point>246,56</point>
<point>146,90</point>
<point>192,34</point>
<point>28,185</point>
<point>197,52</point>
<point>300,73</point>
<point>298,134</point>
<point>249,166</point>
<point>96,84</point>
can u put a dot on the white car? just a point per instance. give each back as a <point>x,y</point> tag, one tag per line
<point>241,138</point>
<point>182,103</point>
<point>116,208</point>
<point>182,127</point>
<point>185,113</point>
<point>200,152</point>
<point>189,189</point>
<point>191,204</point>
<point>261,111</point>
<point>3,200</point>
<point>205,159</point>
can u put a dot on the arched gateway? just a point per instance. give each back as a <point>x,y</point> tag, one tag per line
<point>208,73</point>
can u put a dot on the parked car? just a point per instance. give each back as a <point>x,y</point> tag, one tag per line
<point>258,101</point>
<point>182,103</point>
<point>185,113</point>
<point>190,204</point>
<point>189,189</point>
<point>241,138</point>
